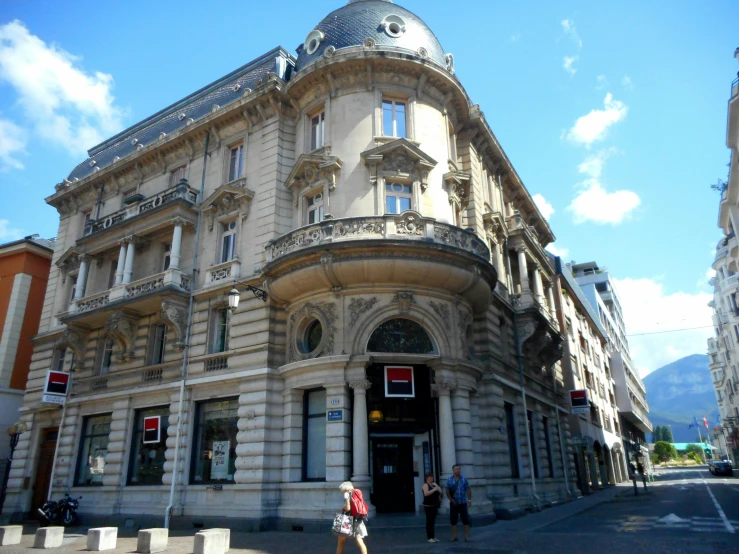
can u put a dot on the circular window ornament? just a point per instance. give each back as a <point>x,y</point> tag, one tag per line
<point>309,336</point>
<point>313,40</point>
<point>369,43</point>
<point>423,53</point>
<point>393,25</point>
<point>329,51</point>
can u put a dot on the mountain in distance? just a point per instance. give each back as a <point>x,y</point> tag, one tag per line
<point>677,392</point>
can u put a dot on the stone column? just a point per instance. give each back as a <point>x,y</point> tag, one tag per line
<point>538,287</point>
<point>446,429</point>
<point>523,270</point>
<point>169,455</point>
<point>339,445</point>
<point>360,432</point>
<point>460,400</point>
<point>128,270</point>
<point>174,257</point>
<point>79,292</point>
<point>66,450</point>
<point>292,435</point>
<point>116,459</point>
<point>121,263</point>
<point>550,299</point>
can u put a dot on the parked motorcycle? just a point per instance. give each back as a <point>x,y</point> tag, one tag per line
<point>61,512</point>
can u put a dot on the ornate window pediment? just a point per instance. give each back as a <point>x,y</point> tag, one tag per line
<point>399,158</point>
<point>69,259</point>
<point>459,186</point>
<point>227,200</point>
<point>495,227</point>
<point>314,171</point>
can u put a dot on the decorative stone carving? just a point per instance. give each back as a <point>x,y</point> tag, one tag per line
<point>464,318</point>
<point>360,385</point>
<point>369,43</point>
<point>325,312</point>
<point>442,310</point>
<point>174,316</point>
<point>75,339</point>
<point>410,224</point>
<point>121,326</point>
<point>228,200</point>
<point>443,387</point>
<point>311,171</point>
<point>399,158</point>
<point>359,306</point>
<point>404,300</point>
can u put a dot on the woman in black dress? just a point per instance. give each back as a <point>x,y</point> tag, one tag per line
<point>431,503</point>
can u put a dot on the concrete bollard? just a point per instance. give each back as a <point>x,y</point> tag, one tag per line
<point>10,534</point>
<point>210,541</point>
<point>152,540</point>
<point>48,537</point>
<point>227,532</point>
<point>102,538</point>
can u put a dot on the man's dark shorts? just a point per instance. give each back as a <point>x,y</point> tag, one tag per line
<point>458,511</point>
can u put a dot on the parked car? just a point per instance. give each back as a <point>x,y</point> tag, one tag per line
<point>720,467</point>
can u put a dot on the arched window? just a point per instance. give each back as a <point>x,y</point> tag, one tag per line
<point>401,336</point>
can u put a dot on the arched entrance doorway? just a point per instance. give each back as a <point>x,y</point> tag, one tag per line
<point>402,414</point>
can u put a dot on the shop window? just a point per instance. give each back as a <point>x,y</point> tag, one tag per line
<point>393,118</point>
<point>219,330</point>
<point>318,131</point>
<point>402,336</point>
<point>93,449</point>
<point>146,466</point>
<point>398,198</point>
<point>510,422</point>
<point>214,453</point>
<point>314,208</point>
<point>228,241</point>
<point>314,436</point>
<point>534,458</point>
<point>157,344</point>
<point>236,162</point>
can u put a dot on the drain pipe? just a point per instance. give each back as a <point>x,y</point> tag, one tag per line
<point>186,351</point>
<point>519,358</point>
<point>72,369</point>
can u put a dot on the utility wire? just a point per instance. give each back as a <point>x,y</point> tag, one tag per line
<point>672,331</point>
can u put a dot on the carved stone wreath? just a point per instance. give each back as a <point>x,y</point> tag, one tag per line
<point>325,313</point>
<point>404,300</point>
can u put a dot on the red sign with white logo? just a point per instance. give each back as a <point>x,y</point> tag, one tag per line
<point>57,382</point>
<point>152,429</point>
<point>399,381</point>
<point>579,401</point>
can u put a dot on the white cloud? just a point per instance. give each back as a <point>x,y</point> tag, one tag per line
<point>593,126</point>
<point>601,82</point>
<point>12,143</point>
<point>545,207</point>
<point>568,62</point>
<point>649,308</point>
<point>594,203</point>
<point>569,28</point>
<point>8,233</point>
<point>626,83</point>
<point>60,101</point>
<point>593,164</point>
<point>561,252</point>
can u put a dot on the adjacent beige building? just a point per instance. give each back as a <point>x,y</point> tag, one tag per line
<point>409,317</point>
<point>723,352</point>
<point>596,436</point>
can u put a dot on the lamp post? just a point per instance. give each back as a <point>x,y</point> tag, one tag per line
<point>15,431</point>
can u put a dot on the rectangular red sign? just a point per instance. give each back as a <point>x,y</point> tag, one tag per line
<point>152,429</point>
<point>57,382</point>
<point>399,381</point>
<point>578,398</point>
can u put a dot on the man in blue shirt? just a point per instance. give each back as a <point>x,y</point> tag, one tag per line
<point>460,497</point>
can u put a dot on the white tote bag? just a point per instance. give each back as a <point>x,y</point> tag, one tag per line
<point>342,524</point>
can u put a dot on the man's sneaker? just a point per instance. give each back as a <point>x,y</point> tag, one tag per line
<point>435,540</point>
<point>431,540</point>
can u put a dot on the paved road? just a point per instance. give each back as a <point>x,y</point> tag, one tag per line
<point>685,511</point>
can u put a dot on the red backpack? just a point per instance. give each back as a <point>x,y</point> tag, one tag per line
<point>356,500</point>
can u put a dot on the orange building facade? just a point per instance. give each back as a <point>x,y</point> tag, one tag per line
<point>24,272</point>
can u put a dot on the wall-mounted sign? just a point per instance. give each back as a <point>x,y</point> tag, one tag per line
<point>335,401</point>
<point>335,415</point>
<point>53,399</point>
<point>579,401</point>
<point>399,381</point>
<point>56,383</point>
<point>152,429</point>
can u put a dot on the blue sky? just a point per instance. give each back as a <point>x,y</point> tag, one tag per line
<point>615,113</point>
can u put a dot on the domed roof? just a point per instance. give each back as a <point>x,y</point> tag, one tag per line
<point>387,24</point>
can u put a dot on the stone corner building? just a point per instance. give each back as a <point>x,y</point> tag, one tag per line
<point>404,266</point>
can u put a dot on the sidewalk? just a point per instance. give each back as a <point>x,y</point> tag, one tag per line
<point>409,539</point>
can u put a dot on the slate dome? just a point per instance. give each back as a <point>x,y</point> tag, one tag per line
<point>386,23</point>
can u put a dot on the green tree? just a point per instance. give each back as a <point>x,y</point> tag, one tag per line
<point>667,434</point>
<point>694,451</point>
<point>657,434</point>
<point>665,451</point>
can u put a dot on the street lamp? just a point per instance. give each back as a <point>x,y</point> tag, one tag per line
<point>15,431</point>
<point>233,299</point>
